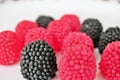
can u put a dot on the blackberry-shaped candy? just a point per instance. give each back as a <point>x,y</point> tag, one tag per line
<point>38,61</point>
<point>93,28</point>
<point>43,21</point>
<point>110,35</point>
<point>113,29</point>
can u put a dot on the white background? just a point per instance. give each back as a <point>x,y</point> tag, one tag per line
<point>13,12</point>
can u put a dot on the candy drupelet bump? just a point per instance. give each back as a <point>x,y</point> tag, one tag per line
<point>110,61</point>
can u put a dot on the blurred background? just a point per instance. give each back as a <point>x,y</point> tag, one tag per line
<point>13,11</point>
<point>3,1</point>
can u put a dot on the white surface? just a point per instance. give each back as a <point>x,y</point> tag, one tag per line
<point>11,14</point>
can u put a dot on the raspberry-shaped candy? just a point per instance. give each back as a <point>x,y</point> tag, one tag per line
<point>110,61</point>
<point>39,34</point>
<point>77,38</point>
<point>77,63</point>
<point>23,27</point>
<point>10,48</point>
<point>59,29</point>
<point>73,20</point>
